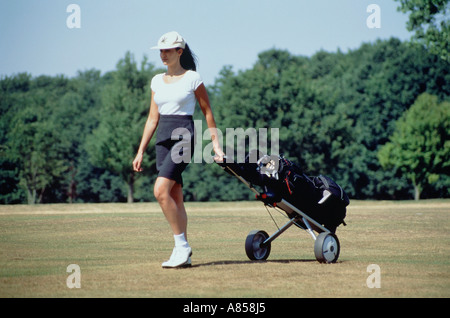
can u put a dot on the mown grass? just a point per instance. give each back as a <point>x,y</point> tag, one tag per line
<point>120,247</point>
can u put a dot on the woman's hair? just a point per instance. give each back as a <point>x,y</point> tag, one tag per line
<point>188,60</point>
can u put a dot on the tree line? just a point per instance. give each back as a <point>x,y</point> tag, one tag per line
<point>348,115</point>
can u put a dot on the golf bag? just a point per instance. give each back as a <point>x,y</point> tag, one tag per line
<point>320,197</point>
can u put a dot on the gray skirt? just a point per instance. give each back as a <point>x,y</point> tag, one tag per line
<point>174,145</point>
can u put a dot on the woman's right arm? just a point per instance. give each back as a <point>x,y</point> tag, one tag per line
<point>149,130</point>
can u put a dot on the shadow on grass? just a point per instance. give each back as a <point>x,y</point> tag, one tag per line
<point>283,261</point>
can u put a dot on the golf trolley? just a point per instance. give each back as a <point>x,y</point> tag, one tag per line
<point>314,204</point>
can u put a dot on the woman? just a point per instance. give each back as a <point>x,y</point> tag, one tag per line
<point>174,96</point>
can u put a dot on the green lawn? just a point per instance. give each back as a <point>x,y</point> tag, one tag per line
<point>119,249</point>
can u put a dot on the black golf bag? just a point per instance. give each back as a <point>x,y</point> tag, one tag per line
<point>320,197</point>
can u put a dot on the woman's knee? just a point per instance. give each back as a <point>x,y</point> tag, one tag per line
<point>158,193</point>
<point>162,189</point>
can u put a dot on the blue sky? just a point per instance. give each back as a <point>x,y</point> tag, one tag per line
<point>34,36</point>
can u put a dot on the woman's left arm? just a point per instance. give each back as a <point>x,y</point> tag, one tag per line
<point>202,97</point>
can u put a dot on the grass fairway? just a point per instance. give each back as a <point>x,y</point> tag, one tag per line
<point>119,249</point>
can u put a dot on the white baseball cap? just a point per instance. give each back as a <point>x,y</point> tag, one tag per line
<point>170,40</point>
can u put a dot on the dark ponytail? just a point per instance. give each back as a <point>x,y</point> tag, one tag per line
<point>188,60</point>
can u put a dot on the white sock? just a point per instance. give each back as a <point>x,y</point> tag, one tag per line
<point>180,241</point>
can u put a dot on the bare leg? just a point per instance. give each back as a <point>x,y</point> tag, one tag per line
<point>177,195</point>
<point>170,197</point>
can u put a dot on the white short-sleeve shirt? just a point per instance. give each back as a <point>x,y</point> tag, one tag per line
<point>177,98</point>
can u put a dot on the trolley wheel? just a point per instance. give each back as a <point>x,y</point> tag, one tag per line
<point>327,247</point>
<point>253,246</point>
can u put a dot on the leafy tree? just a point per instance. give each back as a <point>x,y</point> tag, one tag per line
<point>381,81</point>
<point>429,19</point>
<point>78,112</point>
<point>36,149</point>
<point>125,103</point>
<point>12,90</point>
<point>333,111</point>
<point>420,145</point>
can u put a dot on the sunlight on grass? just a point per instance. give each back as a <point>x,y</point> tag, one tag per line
<point>120,247</point>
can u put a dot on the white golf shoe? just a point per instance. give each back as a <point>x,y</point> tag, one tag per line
<point>181,257</point>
